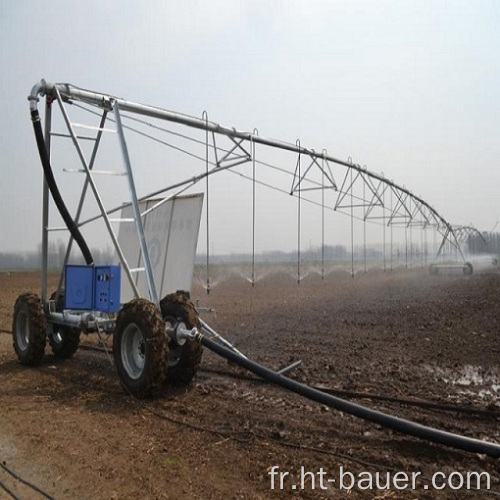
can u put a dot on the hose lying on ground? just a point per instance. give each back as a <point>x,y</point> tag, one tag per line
<point>389,421</point>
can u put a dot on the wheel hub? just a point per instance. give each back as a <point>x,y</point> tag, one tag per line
<point>133,351</point>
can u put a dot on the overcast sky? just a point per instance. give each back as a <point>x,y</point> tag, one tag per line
<point>410,88</point>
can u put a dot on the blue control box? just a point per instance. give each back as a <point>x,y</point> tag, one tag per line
<point>79,287</point>
<point>94,288</point>
<point>107,288</point>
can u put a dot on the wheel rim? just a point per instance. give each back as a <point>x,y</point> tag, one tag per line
<point>57,338</point>
<point>133,351</point>
<point>22,331</point>
<point>174,355</point>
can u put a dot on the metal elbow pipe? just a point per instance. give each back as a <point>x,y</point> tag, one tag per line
<point>43,88</point>
<point>39,88</point>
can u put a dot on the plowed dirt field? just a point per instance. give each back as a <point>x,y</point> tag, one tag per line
<point>68,427</point>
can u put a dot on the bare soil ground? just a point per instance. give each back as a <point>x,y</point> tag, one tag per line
<point>69,427</point>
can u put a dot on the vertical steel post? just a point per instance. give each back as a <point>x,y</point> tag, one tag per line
<point>426,247</point>
<point>135,206</point>
<point>383,225</point>
<point>298,216</point>
<point>406,243</point>
<point>205,117</point>
<point>422,247</point>
<point>45,202</point>
<point>323,217</point>
<point>255,132</point>
<point>352,224</point>
<point>392,229</point>
<point>410,227</point>
<point>364,224</point>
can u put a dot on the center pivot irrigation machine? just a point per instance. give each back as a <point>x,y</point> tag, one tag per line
<point>143,298</point>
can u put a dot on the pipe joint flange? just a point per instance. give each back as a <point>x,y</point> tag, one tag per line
<point>182,333</point>
<point>178,332</point>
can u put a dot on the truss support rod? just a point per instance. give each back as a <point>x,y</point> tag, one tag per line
<point>102,100</point>
<point>135,207</point>
<point>70,92</point>
<point>184,186</point>
<point>82,197</point>
<point>443,242</point>
<point>207,329</point>
<point>96,193</point>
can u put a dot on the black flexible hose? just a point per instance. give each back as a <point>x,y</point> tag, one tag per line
<point>9,491</point>
<point>419,403</point>
<point>27,483</point>
<point>54,190</point>
<point>389,421</point>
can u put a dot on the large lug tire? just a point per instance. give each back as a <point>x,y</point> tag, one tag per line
<point>183,360</point>
<point>64,340</point>
<point>29,329</point>
<point>140,348</point>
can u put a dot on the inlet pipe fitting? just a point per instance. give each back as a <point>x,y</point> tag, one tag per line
<point>41,88</point>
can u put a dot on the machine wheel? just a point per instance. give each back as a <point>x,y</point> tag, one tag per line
<point>140,348</point>
<point>64,340</point>
<point>183,360</point>
<point>468,269</point>
<point>29,329</point>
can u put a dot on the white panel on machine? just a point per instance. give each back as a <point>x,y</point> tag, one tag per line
<point>171,231</point>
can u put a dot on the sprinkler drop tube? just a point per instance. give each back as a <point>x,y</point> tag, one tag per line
<point>399,424</point>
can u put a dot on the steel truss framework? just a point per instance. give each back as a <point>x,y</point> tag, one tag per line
<point>464,233</point>
<point>148,326</point>
<point>312,177</point>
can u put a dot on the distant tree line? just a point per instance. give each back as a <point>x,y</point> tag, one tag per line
<point>476,244</point>
<point>328,253</point>
<point>56,254</point>
<point>486,243</point>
